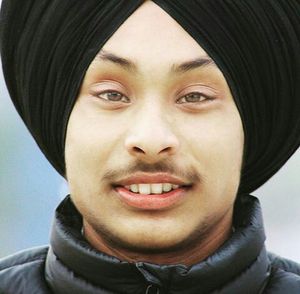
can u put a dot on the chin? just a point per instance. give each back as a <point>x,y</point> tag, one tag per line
<point>150,241</point>
<point>151,245</point>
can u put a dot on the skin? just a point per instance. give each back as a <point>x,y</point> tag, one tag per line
<point>153,124</point>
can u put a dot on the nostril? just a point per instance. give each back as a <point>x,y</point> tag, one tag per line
<point>138,150</point>
<point>166,150</point>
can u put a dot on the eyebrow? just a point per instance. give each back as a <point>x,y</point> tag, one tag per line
<point>175,68</point>
<point>193,64</point>
<point>125,63</point>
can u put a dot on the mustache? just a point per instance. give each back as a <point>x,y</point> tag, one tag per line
<point>189,174</point>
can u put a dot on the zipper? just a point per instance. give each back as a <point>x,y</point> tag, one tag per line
<point>151,289</point>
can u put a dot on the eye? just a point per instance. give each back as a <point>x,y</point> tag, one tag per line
<point>193,97</point>
<point>113,96</point>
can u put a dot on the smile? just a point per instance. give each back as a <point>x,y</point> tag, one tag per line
<point>155,188</point>
<point>144,191</point>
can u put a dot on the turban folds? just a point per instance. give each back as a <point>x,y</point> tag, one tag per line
<point>47,46</point>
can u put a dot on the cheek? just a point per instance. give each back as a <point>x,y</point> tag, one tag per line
<point>90,141</point>
<point>216,145</point>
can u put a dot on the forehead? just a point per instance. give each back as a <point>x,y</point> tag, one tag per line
<point>150,35</point>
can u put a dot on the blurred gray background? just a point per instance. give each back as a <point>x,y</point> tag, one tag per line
<point>30,190</point>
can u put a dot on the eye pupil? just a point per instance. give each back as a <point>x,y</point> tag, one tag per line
<point>114,96</point>
<point>193,97</point>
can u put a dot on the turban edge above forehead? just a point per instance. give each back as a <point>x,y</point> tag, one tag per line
<point>47,46</point>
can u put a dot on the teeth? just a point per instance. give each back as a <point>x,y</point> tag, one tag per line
<point>167,187</point>
<point>144,189</point>
<point>134,188</point>
<point>156,188</point>
<point>151,188</point>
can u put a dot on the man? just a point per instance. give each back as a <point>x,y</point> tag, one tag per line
<point>162,116</point>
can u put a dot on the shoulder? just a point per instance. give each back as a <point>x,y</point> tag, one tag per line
<point>23,272</point>
<point>285,275</point>
<point>284,264</point>
<point>23,258</point>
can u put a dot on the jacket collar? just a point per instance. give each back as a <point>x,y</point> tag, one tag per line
<point>239,265</point>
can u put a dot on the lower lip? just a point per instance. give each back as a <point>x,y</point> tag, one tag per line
<point>151,201</point>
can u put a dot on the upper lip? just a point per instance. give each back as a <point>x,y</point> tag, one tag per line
<point>146,178</point>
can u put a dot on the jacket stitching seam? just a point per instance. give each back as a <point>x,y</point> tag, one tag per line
<point>40,258</point>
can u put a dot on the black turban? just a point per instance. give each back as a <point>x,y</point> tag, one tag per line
<point>47,46</point>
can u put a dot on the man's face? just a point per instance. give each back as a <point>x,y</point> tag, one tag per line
<point>154,109</point>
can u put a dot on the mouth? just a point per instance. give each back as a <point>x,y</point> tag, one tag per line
<point>155,188</point>
<point>152,192</point>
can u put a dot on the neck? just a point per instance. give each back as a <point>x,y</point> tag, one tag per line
<point>188,255</point>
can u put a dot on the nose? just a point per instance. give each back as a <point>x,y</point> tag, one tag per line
<point>151,138</point>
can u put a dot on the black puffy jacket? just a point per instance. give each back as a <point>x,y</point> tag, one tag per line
<point>71,266</point>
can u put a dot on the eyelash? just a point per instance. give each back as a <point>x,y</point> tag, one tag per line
<point>201,95</point>
<point>112,92</point>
